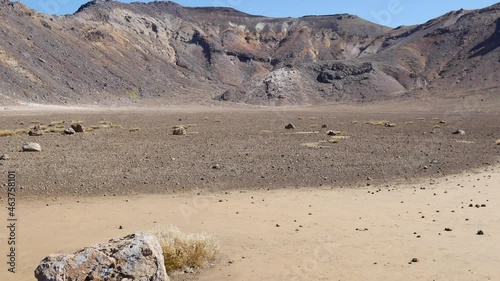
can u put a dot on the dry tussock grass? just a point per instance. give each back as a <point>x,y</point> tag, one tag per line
<point>55,130</point>
<point>6,133</point>
<point>57,122</point>
<point>186,250</point>
<point>378,123</point>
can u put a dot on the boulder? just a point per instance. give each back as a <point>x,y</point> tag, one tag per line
<point>69,131</point>
<point>180,131</point>
<point>78,128</point>
<point>334,133</point>
<point>134,257</point>
<point>290,126</point>
<point>36,131</point>
<point>32,147</point>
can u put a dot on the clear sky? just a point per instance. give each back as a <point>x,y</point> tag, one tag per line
<point>386,12</point>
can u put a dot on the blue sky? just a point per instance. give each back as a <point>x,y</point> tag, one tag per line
<point>386,12</point>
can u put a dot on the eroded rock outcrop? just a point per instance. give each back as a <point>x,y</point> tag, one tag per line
<point>134,257</point>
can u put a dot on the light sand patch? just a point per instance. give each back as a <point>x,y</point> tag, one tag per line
<point>316,238</point>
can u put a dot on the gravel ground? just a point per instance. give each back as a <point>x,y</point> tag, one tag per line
<point>243,148</point>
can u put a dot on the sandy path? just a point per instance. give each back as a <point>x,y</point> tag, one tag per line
<point>327,247</point>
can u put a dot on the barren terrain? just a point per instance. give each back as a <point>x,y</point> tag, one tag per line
<point>246,147</point>
<point>286,204</point>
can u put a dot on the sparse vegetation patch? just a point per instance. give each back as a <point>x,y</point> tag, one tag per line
<point>6,133</point>
<point>183,251</point>
<point>378,123</point>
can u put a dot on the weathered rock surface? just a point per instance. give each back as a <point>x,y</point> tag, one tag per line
<point>181,131</point>
<point>69,131</point>
<point>134,257</point>
<point>79,128</point>
<point>32,147</point>
<point>36,131</point>
<point>203,54</point>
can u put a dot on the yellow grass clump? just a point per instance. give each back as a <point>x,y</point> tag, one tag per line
<point>334,140</point>
<point>314,126</point>
<point>6,133</point>
<point>436,126</point>
<point>378,123</point>
<point>55,130</point>
<point>354,122</point>
<point>134,129</point>
<point>21,131</point>
<point>58,122</point>
<point>115,126</point>
<point>218,121</point>
<point>186,250</point>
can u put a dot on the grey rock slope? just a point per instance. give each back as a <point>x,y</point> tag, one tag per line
<point>162,53</point>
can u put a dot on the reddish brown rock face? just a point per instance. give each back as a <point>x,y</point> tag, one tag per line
<point>114,53</point>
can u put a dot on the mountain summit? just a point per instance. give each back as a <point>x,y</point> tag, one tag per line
<point>110,52</point>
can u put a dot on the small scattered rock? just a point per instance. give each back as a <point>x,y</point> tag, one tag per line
<point>324,126</point>
<point>435,161</point>
<point>32,147</point>
<point>78,128</point>
<point>390,125</point>
<point>4,157</point>
<point>414,260</point>
<point>480,232</point>
<point>290,126</point>
<point>216,167</point>
<point>181,131</point>
<point>69,131</point>
<point>448,229</point>
<point>36,131</point>
<point>459,132</point>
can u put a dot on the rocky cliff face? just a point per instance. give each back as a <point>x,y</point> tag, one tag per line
<point>160,52</point>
